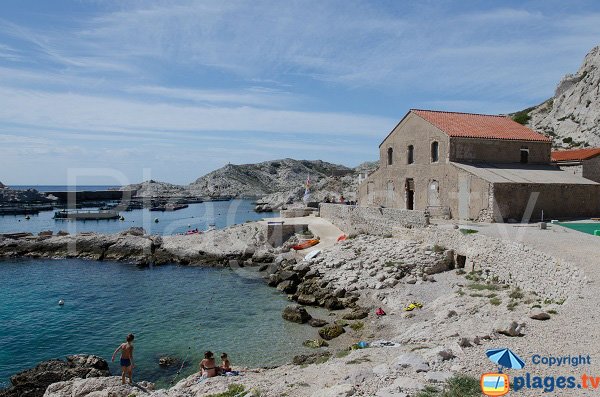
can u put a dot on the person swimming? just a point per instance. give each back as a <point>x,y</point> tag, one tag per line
<point>126,361</point>
<point>208,367</point>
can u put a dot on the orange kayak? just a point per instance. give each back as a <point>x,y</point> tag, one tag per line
<point>305,244</point>
<point>342,237</point>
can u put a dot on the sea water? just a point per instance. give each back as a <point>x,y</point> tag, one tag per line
<point>199,215</point>
<point>172,310</point>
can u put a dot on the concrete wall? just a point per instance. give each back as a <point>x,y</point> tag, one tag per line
<point>378,221</point>
<point>497,151</point>
<point>556,200</point>
<point>575,169</point>
<point>591,169</point>
<point>278,233</point>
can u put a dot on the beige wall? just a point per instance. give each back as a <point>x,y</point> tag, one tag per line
<point>386,186</point>
<point>497,151</point>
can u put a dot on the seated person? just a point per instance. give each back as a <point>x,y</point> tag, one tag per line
<point>208,368</point>
<point>225,363</point>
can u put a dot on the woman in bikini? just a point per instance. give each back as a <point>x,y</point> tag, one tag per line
<point>208,367</point>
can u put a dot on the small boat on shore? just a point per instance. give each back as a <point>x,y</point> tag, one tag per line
<point>305,244</point>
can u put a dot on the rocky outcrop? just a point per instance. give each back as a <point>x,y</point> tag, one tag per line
<point>156,189</point>
<point>17,197</point>
<point>99,387</point>
<point>278,183</point>
<point>572,115</point>
<point>33,382</point>
<point>214,248</point>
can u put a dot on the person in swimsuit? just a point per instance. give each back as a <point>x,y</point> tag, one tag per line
<point>127,365</point>
<point>225,363</point>
<point>208,367</point>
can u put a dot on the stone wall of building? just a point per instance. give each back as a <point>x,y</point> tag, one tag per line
<point>371,220</point>
<point>591,169</point>
<point>558,201</point>
<point>510,262</point>
<point>497,150</point>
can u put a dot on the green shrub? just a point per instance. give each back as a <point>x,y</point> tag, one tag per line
<point>495,301</point>
<point>357,325</point>
<point>483,287</point>
<point>233,390</point>
<point>516,293</point>
<point>457,386</point>
<point>522,117</point>
<point>468,231</point>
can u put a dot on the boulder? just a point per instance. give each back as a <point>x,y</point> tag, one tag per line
<point>333,303</point>
<point>305,359</point>
<point>33,382</point>
<point>134,231</point>
<point>411,360</point>
<point>315,343</point>
<point>539,315</point>
<point>509,328</point>
<point>295,314</point>
<point>317,322</point>
<point>331,331</point>
<point>357,314</point>
<point>287,286</point>
<point>309,300</point>
<point>168,361</point>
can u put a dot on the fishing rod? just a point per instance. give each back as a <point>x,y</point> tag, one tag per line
<point>181,367</point>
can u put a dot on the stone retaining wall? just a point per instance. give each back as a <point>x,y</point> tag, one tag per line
<point>371,220</point>
<point>507,261</point>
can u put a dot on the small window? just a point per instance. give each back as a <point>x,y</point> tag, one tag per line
<point>524,156</point>
<point>390,156</point>
<point>410,154</point>
<point>435,155</point>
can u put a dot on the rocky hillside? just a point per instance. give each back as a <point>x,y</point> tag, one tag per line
<point>154,188</point>
<point>257,180</point>
<point>572,116</point>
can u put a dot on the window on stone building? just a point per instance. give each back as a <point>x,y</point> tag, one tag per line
<point>390,156</point>
<point>435,155</point>
<point>410,155</point>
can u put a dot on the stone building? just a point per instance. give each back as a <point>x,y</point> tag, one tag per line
<point>582,162</point>
<point>473,166</point>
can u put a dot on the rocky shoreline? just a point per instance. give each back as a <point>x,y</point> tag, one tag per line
<point>466,306</point>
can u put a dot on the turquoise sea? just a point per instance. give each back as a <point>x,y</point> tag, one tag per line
<point>172,310</point>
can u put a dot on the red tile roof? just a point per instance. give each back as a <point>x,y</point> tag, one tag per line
<point>470,125</point>
<point>577,154</point>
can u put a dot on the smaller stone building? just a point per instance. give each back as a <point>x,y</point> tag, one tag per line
<point>582,162</point>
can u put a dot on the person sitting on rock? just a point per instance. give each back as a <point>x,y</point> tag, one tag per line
<point>126,358</point>
<point>208,367</point>
<point>225,363</point>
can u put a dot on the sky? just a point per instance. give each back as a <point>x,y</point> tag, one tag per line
<point>116,92</point>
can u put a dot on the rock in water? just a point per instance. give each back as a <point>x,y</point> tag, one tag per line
<point>33,382</point>
<point>295,314</point>
<point>331,331</point>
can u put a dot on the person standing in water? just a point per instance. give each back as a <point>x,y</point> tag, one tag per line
<point>126,358</point>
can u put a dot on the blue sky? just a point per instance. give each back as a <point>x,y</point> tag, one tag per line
<point>116,92</point>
